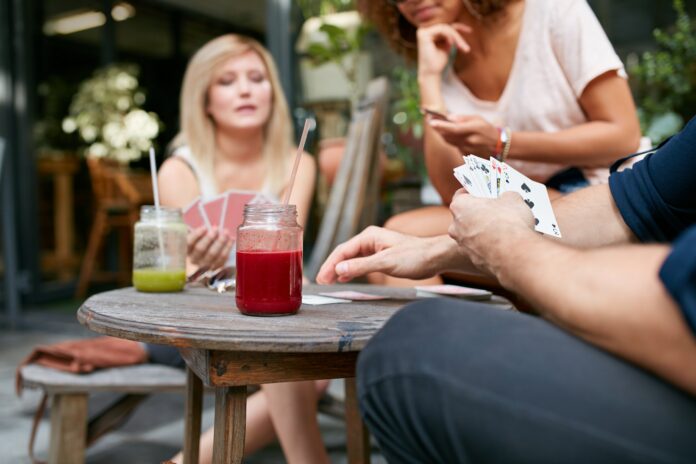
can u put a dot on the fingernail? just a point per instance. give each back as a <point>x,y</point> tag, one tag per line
<point>341,268</point>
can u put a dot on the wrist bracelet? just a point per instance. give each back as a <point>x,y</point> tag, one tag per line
<point>506,137</point>
<point>498,144</point>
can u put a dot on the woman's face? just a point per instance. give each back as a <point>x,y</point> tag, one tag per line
<point>241,96</point>
<point>429,12</point>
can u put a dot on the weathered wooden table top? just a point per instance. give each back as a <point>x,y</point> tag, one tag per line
<point>204,319</point>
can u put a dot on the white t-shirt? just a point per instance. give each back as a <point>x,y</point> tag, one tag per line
<point>561,48</point>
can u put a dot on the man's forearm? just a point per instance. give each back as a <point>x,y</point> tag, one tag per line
<point>449,256</point>
<point>610,297</point>
<point>589,218</point>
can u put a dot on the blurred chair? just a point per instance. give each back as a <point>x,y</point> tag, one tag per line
<point>354,197</point>
<point>118,194</point>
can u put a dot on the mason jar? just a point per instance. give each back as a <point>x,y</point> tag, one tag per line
<point>269,261</point>
<point>159,250</point>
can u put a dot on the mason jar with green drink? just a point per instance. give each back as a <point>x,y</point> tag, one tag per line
<point>159,250</point>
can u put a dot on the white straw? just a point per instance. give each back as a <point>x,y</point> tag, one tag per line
<point>300,149</point>
<point>155,192</point>
<point>153,171</point>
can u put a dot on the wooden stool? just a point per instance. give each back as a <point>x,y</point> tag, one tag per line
<point>71,432</point>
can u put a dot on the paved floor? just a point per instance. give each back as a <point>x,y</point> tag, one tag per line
<point>152,433</point>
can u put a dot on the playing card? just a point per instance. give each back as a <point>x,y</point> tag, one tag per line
<point>453,290</point>
<point>496,175</point>
<point>477,187</point>
<point>194,215</point>
<point>354,296</point>
<point>321,300</point>
<point>214,209</point>
<point>536,197</point>
<point>233,215</point>
<point>463,176</point>
<point>482,171</point>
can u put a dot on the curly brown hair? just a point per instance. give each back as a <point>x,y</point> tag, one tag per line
<point>401,34</point>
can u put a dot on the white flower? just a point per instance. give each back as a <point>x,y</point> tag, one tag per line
<point>123,103</point>
<point>88,133</point>
<point>69,125</point>
<point>98,150</point>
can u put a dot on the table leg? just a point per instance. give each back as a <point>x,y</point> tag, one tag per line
<point>358,437</point>
<point>192,417</point>
<point>230,425</point>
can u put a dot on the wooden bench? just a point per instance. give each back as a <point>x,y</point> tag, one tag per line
<point>71,429</point>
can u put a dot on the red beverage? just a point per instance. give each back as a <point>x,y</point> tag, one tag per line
<point>269,283</point>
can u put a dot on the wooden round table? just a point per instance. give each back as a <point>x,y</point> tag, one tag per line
<point>227,351</point>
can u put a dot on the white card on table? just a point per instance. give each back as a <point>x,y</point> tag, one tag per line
<point>354,296</point>
<point>321,300</point>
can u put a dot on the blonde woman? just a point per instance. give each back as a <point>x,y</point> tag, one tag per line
<point>236,133</point>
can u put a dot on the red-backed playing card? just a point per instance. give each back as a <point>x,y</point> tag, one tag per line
<point>195,217</point>
<point>214,209</point>
<point>234,211</point>
<point>453,290</point>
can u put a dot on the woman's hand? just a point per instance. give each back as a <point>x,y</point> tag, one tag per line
<point>209,249</point>
<point>434,44</point>
<point>470,134</point>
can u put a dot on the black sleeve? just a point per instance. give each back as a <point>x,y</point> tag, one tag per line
<point>678,274</point>
<point>657,197</point>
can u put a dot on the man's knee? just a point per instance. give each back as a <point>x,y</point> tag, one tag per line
<point>410,339</point>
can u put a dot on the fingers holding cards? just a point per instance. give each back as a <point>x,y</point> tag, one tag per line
<point>491,178</point>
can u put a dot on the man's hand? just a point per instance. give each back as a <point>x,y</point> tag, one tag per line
<point>381,250</point>
<point>484,228</point>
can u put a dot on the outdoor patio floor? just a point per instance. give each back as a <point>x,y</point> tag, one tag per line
<point>152,434</point>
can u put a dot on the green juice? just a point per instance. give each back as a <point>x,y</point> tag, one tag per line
<point>151,279</point>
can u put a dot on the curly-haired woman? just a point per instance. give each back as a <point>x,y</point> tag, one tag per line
<point>535,82</point>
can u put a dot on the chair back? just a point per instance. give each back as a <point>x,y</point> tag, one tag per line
<point>353,200</point>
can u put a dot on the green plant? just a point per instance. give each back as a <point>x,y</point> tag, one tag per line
<point>406,122</point>
<point>665,80</point>
<point>340,44</point>
<point>311,8</point>
<point>107,114</point>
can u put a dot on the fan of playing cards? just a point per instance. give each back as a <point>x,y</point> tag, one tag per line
<point>490,179</point>
<point>225,211</point>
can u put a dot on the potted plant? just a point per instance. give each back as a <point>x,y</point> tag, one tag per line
<point>108,116</point>
<point>334,65</point>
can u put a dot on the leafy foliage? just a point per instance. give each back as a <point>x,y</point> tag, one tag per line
<point>665,80</point>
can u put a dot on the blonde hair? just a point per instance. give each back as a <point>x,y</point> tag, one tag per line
<point>197,128</point>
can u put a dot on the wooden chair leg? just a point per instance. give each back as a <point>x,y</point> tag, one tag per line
<point>68,428</point>
<point>192,417</point>
<point>95,239</point>
<point>125,252</point>
<point>230,424</point>
<point>358,437</point>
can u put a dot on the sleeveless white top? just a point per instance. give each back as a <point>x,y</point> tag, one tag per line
<point>561,48</point>
<point>206,183</point>
<point>209,190</point>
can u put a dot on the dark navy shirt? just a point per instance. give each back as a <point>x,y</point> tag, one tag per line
<point>657,200</point>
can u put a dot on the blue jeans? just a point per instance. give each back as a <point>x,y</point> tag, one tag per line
<point>447,381</point>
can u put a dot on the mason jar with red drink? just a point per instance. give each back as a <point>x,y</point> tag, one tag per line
<point>269,261</point>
